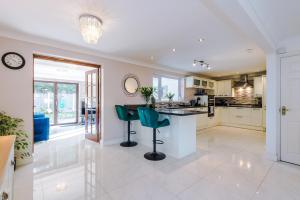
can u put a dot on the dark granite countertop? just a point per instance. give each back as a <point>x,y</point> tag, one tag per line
<point>241,106</point>
<point>179,112</point>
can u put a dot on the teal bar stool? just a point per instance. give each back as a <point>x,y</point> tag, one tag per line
<point>126,115</point>
<point>149,118</point>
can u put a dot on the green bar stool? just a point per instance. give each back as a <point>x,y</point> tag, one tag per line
<point>126,115</point>
<point>149,118</point>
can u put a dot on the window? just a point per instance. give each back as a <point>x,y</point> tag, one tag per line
<point>165,85</point>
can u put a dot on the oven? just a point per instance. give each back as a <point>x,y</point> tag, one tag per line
<point>211,105</point>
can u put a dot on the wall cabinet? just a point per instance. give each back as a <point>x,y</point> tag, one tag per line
<point>224,88</point>
<point>258,86</point>
<point>196,82</point>
<point>192,82</point>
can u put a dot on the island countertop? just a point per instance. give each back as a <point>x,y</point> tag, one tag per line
<point>179,112</point>
<point>167,111</point>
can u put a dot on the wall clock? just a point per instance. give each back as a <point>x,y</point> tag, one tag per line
<point>13,60</point>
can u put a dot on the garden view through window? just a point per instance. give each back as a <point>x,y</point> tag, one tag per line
<point>165,85</point>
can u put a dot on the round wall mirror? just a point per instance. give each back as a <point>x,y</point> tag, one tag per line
<point>131,85</point>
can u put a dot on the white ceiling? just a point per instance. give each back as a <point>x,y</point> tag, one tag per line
<point>56,71</point>
<point>281,18</point>
<point>139,29</point>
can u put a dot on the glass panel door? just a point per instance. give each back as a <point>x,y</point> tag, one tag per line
<point>67,103</point>
<point>44,99</point>
<point>92,105</point>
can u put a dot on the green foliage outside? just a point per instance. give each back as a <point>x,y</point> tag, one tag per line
<point>13,126</point>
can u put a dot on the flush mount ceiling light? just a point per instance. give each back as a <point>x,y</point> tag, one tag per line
<point>90,28</point>
<point>202,64</point>
<point>201,39</point>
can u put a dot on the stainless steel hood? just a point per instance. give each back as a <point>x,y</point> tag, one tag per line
<point>243,82</point>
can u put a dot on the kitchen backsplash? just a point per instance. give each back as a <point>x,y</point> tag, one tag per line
<point>244,95</point>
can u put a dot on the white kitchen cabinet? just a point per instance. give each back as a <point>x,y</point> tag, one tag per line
<point>256,117</point>
<point>258,86</point>
<point>217,115</point>
<point>202,122</point>
<point>211,85</point>
<point>225,115</point>
<point>6,167</point>
<point>211,121</point>
<point>192,82</point>
<point>242,117</point>
<point>224,88</point>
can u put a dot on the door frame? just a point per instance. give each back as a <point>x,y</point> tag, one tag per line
<point>280,57</point>
<point>55,116</point>
<point>68,61</point>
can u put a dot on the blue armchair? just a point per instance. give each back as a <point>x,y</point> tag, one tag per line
<point>41,127</point>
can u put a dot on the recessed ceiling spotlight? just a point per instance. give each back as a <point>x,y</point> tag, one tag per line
<point>174,50</point>
<point>194,64</point>
<point>201,39</point>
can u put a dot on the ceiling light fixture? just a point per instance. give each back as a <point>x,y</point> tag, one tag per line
<point>201,39</point>
<point>202,64</point>
<point>90,28</point>
<point>174,50</point>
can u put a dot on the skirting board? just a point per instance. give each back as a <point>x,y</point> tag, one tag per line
<point>271,156</point>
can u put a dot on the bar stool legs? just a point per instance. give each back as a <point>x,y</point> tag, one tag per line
<point>129,143</point>
<point>155,156</point>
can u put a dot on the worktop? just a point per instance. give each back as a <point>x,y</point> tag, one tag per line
<point>241,106</point>
<point>179,112</point>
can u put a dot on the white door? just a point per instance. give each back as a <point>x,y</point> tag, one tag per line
<point>290,120</point>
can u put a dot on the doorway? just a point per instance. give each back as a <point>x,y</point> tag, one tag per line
<point>290,109</point>
<point>67,94</point>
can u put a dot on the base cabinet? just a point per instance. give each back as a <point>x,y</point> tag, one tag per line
<point>250,118</point>
<point>241,117</point>
<point>6,182</point>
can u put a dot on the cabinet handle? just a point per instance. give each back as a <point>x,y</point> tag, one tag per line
<point>4,196</point>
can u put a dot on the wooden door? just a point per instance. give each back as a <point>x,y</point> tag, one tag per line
<point>290,109</point>
<point>92,103</point>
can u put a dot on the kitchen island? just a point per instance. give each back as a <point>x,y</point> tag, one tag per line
<point>179,138</point>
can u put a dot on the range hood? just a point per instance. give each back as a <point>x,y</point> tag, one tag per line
<point>243,82</point>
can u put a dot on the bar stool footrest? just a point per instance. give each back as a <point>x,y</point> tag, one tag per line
<point>159,142</point>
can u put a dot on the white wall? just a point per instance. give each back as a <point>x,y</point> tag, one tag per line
<point>17,92</point>
<point>273,105</point>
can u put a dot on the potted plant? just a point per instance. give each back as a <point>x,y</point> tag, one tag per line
<point>147,93</point>
<point>170,96</point>
<point>13,126</point>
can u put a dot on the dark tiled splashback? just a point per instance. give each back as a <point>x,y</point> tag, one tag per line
<point>241,96</point>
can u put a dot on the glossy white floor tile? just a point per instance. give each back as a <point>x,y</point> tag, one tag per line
<point>229,164</point>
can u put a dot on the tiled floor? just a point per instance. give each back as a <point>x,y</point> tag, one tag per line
<point>229,164</point>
